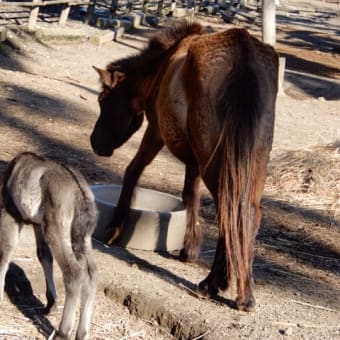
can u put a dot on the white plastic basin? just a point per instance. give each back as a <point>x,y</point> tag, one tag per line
<point>157,220</point>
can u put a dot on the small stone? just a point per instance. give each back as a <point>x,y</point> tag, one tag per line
<point>134,265</point>
<point>287,331</point>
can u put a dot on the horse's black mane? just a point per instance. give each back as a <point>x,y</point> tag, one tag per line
<point>148,60</point>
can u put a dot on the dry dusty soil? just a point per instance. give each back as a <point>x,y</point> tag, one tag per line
<point>48,93</point>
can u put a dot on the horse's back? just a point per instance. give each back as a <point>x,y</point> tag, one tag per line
<point>226,73</point>
<point>214,58</point>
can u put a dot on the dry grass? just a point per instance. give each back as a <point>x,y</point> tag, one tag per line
<point>310,177</point>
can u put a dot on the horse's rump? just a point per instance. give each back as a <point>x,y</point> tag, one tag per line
<point>228,72</point>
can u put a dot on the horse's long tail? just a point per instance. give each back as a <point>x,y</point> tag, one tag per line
<point>237,170</point>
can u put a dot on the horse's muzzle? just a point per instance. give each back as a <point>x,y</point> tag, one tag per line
<point>101,149</point>
<point>103,153</point>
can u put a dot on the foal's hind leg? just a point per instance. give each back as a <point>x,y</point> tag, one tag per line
<point>73,274</point>
<point>191,200</point>
<point>72,271</point>
<point>88,292</point>
<point>46,259</point>
<point>9,235</point>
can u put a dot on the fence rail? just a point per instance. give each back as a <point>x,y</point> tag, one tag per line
<point>43,3</point>
<point>36,4</point>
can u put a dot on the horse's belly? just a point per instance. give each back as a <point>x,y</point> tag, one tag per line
<point>172,118</point>
<point>175,138</point>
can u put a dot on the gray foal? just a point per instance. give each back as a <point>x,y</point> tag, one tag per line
<point>59,204</point>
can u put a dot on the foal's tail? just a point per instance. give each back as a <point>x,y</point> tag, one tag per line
<point>238,170</point>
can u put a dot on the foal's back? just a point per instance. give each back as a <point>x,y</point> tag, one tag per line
<point>33,185</point>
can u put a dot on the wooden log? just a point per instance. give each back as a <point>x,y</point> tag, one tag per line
<point>44,3</point>
<point>3,34</point>
<point>64,15</point>
<point>32,20</point>
<point>90,12</point>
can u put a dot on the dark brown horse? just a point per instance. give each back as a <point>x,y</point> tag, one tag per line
<point>210,98</point>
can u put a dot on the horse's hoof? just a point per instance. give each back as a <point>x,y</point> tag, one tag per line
<point>185,257</point>
<point>245,305</point>
<point>50,308</point>
<point>57,335</point>
<point>111,237</point>
<point>207,289</point>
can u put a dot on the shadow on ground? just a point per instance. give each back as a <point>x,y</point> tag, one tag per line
<point>20,293</point>
<point>295,245</point>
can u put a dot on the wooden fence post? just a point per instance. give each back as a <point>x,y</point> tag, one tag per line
<point>90,12</point>
<point>32,20</point>
<point>160,8</point>
<point>64,14</point>
<point>269,22</point>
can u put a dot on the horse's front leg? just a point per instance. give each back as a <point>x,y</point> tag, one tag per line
<point>151,144</point>
<point>191,200</point>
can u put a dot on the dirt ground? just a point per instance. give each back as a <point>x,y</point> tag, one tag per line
<point>48,104</point>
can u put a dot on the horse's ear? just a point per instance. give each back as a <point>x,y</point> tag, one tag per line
<point>117,77</point>
<point>109,79</point>
<point>105,76</point>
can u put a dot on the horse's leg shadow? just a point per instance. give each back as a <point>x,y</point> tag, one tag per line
<point>20,293</point>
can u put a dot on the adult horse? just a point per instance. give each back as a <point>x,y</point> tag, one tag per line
<point>210,98</point>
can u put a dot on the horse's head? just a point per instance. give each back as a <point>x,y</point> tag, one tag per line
<point>121,112</point>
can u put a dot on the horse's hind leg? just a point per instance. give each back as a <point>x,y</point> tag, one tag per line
<point>218,276</point>
<point>46,259</point>
<point>191,200</point>
<point>88,292</point>
<point>9,235</point>
<point>245,300</point>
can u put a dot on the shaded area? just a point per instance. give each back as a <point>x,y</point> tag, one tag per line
<point>290,231</point>
<point>323,42</point>
<point>297,63</point>
<point>312,86</point>
<point>127,256</point>
<point>312,21</point>
<point>292,242</point>
<point>20,293</point>
<point>48,145</point>
<point>11,52</point>
<point>7,57</point>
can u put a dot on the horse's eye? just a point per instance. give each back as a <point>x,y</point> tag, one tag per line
<point>102,95</point>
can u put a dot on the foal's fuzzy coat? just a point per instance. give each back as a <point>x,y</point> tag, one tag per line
<point>59,204</point>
